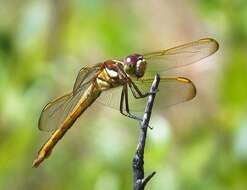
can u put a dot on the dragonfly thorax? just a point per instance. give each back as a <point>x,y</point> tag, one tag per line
<point>135,65</point>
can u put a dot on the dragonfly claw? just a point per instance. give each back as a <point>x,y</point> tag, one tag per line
<point>150,127</point>
<point>153,92</point>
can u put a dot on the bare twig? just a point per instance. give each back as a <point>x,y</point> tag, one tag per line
<point>139,180</point>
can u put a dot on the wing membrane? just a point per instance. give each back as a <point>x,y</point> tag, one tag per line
<point>111,98</point>
<point>56,111</point>
<point>84,76</point>
<point>171,91</point>
<point>181,55</point>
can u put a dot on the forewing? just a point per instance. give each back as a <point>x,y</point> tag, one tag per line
<point>84,76</point>
<point>180,56</point>
<point>171,91</point>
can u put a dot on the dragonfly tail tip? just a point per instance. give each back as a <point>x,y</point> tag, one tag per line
<point>36,162</point>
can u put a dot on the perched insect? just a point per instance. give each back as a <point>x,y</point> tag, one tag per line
<point>113,78</point>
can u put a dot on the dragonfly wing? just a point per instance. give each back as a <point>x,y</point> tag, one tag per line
<point>111,98</point>
<point>181,55</point>
<point>85,75</point>
<point>56,111</point>
<point>52,114</point>
<point>171,91</point>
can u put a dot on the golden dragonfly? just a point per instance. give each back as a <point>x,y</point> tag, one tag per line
<point>133,74</point>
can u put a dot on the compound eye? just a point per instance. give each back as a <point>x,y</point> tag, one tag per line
<point>133,59</point>
<point>132,64</point>
<point>140,67</point>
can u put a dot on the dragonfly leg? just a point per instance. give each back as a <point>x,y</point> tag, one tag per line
<point>124,98</point>
<point>137,92</point>
<point>134,88</point>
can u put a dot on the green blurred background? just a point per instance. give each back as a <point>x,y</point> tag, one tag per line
<point>200,144</point>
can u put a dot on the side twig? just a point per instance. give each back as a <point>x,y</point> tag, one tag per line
<point>140,180</point>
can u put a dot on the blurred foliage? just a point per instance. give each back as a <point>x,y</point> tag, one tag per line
<point>43,44</point>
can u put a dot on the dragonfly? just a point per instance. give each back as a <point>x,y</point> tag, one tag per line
<point>122,84</point>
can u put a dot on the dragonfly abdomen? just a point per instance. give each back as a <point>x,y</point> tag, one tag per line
<point>90,95</point>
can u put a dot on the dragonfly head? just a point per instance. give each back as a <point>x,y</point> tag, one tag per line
<point>135,65</point>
